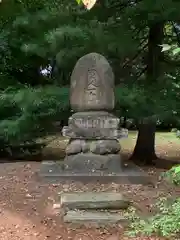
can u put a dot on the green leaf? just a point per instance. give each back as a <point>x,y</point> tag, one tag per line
<point>176,51</point>
<point>177,169</point>
<point>78,1</point>
<point>165,47</point>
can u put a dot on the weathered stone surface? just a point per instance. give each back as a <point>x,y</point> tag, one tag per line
<point>96,119</point>
<point>105,147</point>
<point>89,162</point>
<point>94,133</point>
<point>94,125</point>
<point>92,130</point>
<point>85,147</point>
<point>92,84</point>
<point>75,146</point>
<point>51,172</point>
<point>90,217</point>
<point>100,147</point>
<point>94,200</point>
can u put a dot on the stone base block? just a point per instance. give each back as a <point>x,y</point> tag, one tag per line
<point>89,162</point>
<point>51,172</point>
<point>94,200</point>
<point>94,218</point>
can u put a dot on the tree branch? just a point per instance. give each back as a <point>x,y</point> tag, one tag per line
<point>136,55</point>
<point>141,72</point>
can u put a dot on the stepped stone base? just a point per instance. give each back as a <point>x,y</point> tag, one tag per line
<point>94,208</point>
<point>52,172</point>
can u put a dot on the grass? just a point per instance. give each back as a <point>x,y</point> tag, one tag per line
<point>167,146</point>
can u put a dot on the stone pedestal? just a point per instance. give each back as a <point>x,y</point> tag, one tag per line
<point>93,144</point>
<point>93,130</point>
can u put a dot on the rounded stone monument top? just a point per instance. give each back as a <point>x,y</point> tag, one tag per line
<point>92,84</point>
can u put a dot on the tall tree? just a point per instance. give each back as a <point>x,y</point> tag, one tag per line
<point>145,145</point>
<point>154,17</point>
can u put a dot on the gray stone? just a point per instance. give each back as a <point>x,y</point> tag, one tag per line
<point>92,130</point>
<point>85,147</point>
<point>66,131</point>
<point>94,200</point>
<point>89,162</point>
<point>51,172</point>
<point>94,133</point>
<point>92,84</point>
<point>97,119</point>
<point>75,146</point>
<point>100,147</point>
<point>105,147</point>
<point>94,125</point>
<point>90,217</point>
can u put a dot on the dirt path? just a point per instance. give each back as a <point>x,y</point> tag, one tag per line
<point>26,206</point>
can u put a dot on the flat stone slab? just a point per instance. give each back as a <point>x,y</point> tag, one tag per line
<point>94,200</point>
<point>94,119</point>
<point>90,217</point>
<point>89,162</point>
<point>51,172</point>
<point>94,133</point>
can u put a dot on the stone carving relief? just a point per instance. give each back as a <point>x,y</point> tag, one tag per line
<point>93,84</point>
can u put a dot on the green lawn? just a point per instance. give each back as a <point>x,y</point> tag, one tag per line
<point>167,146</point>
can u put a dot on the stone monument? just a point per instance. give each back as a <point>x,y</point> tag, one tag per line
<point>93,151</point>
<point>92,129</point>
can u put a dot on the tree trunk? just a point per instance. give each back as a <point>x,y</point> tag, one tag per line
<point>145,146</point>
<point>144,151</point>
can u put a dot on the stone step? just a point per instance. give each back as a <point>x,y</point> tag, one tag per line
<point>91,217</point>
<point>94,200</point>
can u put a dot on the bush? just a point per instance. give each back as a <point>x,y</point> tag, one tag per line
<point>166,223</point>
<point>29,113</point>
<point>173,175</point>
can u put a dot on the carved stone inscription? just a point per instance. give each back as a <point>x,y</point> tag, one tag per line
<point>97,120</point>
<point>93,83</point>
<point>95,123</point>
<point>94,133</point>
